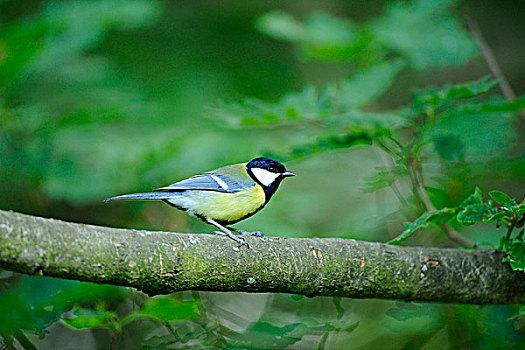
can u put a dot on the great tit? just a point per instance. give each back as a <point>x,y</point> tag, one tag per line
<point>223,196</point>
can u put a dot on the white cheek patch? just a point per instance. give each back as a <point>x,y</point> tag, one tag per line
<point>221,183</point>
<point>264,176</point>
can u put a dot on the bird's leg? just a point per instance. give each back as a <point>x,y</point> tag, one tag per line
<point>226,232</point>
<point>247,233</point>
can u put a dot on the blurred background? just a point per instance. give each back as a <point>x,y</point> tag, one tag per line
<point>100,98</point>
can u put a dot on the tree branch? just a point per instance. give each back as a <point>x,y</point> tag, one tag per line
<point>161,262</point>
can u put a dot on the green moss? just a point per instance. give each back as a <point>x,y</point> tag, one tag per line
<point>158,262</point>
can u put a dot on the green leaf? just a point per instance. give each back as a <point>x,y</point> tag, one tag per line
<point>515,249</point>
<point>470,89</point>
<point>498,105</point>
<point>472,214</point>
<point>268,336</point>
<point>292,108</point>
<point>425,33</point>
<point>474,198</point>
<point>333,105</point>
<point>165,308</point>
<point>331,142</point>
<point>500,197</point>
<point>449,147</point>
<point>475,213</point>
<point>435,217</point>
<point>322,37</point>
<point>319,29</point>
<point>168,308</point>
<point>385,178</point>
<point>475,210</point>
<point>437,97</point>
<point>281,25</point>
<point>365,86</point>
<point>33,35</point>
<point>486,136</point>
<point>88,318</point>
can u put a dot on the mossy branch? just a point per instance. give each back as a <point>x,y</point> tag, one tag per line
<point>161,262</point>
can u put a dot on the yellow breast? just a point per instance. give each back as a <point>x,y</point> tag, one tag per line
<point>228,207</point>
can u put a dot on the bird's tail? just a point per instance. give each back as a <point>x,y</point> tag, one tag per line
<point>144,196</point>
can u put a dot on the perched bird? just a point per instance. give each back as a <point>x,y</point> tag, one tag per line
<point>223,196</point>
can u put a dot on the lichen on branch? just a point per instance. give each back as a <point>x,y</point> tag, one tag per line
<point>165,262</point>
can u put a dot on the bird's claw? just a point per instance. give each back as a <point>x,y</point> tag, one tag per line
<point>254,233</point>
<point>248,233</point>
<point>237,239</point>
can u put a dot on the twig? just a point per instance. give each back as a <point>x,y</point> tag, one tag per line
<point>492,63</point>
<point>488,54</point>
<point>389,164</point>
<point>417,182</point>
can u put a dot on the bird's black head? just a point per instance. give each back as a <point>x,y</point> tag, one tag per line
<point>268,173</point>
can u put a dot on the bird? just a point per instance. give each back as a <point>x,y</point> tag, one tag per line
<point>224,196</point>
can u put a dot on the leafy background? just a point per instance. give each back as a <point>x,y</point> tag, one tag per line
<point>99,98</point>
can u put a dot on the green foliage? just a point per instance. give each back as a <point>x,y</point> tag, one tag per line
<point>330,105</point>
<point>367,85</point>
<point>336,114</point>
<point>325,143</point>
<point>500,197</point>
<point>423,32</point>
<point>89,318</point>
<point>434,217</point>
<point>515,249</point>
<point>165,308</point>
<point>449,147</point>
<point>342,111</point>
<point>475,210</point>
<point>57,98</point>
<point>24,309</point>
<point>322,36</point>
<point>432,100</point>
<point>100,97</point>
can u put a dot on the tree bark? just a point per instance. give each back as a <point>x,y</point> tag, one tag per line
<point>165,262</point>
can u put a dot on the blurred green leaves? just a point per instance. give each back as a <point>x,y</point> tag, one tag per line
<point>333,103</point>
<point>60,101</point>
<point>322,37</point>
<point>435,217</point>
<point>423,32</point>
<point>164,308</point>
<point>64,31</point>
<point>504,210</point>
<point>336,114</point>
<point>33,305</point>
<point>91,318</point>
<point>78,122</point>
<point>365,86</point>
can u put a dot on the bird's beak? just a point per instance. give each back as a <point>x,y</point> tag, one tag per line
<point>287,174</point>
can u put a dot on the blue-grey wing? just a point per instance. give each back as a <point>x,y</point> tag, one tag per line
<point>209,182</point>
